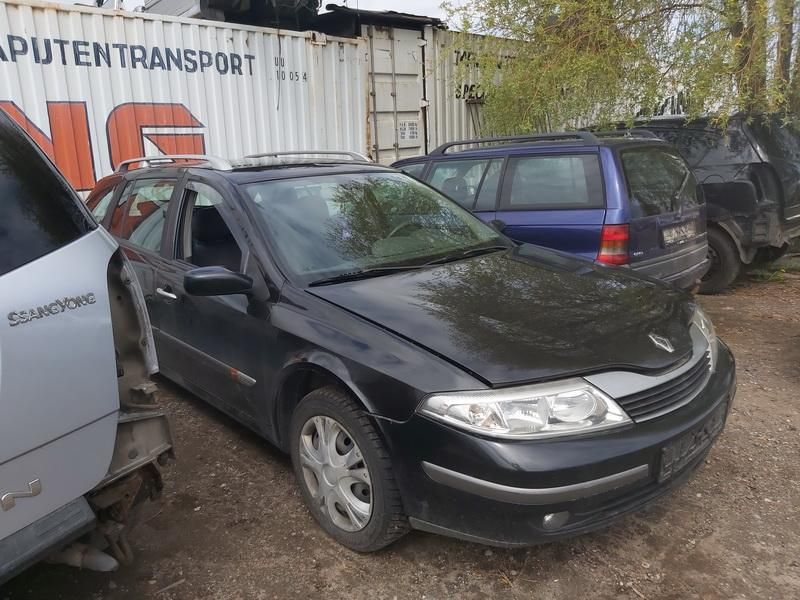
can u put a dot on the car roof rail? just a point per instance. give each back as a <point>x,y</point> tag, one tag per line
<point>213,162</point>
<point>586,137</point>
<point>631,133</point>
<point>354,156</point>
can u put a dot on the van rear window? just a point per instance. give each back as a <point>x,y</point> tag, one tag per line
<point>38,212</point>
<point>659,181</point>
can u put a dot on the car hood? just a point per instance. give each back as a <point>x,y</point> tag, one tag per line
<point>526,314</point>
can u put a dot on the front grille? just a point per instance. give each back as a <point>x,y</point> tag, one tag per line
<point>668,396</point>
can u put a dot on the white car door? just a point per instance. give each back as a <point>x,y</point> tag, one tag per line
<point>59,398</point>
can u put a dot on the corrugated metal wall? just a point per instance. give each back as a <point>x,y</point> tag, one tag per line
<point>95,87</point>
<point>455,103</point>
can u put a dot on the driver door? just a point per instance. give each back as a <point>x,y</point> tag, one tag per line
<point>210,344</point>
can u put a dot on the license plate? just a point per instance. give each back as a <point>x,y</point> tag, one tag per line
<point>685,449</point>
<point>679,234</point>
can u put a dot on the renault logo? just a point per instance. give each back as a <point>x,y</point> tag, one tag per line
<point>661,342</point>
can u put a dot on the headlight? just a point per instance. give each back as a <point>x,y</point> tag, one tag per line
<point>567,407</point>
<point>706,327</point>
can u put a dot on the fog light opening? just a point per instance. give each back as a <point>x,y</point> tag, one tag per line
<point>553,521</point>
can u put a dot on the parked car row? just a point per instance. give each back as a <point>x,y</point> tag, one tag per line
<point>615,198</point>
<point>423,370</point>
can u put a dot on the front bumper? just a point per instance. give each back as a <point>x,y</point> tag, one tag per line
<point>498,492</point>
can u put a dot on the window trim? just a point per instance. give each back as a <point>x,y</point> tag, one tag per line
<point>505,196</point>
<point>177,222</point>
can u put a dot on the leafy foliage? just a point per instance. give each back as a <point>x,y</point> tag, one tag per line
<point>549,63</point>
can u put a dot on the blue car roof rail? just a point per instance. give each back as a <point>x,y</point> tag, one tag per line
<point>584,136</point>
<point>628,133</point>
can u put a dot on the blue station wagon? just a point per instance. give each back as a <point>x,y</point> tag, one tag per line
<point>620,198</point>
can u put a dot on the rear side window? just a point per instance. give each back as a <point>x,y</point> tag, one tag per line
<point>659,181</point>
<point>38,211</point>
<point>100,206</point>
<point>554,182</point>
<point>708,147</point>
<point>463,180</point>
<point>142,211</point>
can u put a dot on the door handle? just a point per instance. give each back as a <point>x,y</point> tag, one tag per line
<point>165,293</point>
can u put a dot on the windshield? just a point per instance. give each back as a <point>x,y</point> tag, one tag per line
<point>335,224</point>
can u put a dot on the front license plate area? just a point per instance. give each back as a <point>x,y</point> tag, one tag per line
<point>674,235</point>
<point>686,448</point>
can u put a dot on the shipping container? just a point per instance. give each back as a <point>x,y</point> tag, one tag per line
<point>95,87</point>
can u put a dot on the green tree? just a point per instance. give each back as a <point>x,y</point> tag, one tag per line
<point>551,63</point>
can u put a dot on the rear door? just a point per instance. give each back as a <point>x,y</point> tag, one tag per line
<point>138,222</point>
<point>473,183</point>
<point>58,379</point>
<point>554,200</point>
<point>667,213</point>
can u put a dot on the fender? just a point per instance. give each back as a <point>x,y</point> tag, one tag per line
<point>732,228</point>
<point>326,364</point>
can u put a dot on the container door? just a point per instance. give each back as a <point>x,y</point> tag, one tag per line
<point>555,201</point>
<point>395,84</point>
<point>58,378</point>
<point>667,216</point>
<point>472,183</point>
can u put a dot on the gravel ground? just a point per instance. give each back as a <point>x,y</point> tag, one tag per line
<point>232,524</point>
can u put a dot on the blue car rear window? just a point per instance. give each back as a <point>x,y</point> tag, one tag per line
<point>659,181</point>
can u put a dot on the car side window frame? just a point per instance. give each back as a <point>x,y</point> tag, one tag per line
<point>190,185</point>
<point>121,199</point>
<point>504,201</point>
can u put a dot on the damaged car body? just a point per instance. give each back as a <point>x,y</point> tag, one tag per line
<point>749,170</point>
<point>83,437</point>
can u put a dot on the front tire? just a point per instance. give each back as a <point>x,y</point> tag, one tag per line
<point>725,264</point>
<point>344,472</point>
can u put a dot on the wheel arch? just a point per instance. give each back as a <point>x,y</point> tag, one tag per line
<point>304,375</point>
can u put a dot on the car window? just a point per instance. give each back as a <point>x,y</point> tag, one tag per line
<point>659,181</point>
<point>99,207</point>
<point>207,241</point>
<point>142,211</point>
<point>38,211</point>
<point>554,182</point>
<point>487,194</point>
<point>415,170</point>
<point>707,147</point>
<point>332,224</point>
<point>458,179</point>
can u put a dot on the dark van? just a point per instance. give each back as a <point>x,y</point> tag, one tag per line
<point>750,175</point>
<point>616,198</point>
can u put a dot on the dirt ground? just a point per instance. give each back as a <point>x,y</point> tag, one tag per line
<point>233,526</point>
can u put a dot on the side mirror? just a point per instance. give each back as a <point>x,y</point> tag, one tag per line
<point>216,281</point>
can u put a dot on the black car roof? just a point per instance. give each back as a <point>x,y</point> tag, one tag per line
<point>606,139</point>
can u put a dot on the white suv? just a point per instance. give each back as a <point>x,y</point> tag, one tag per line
<point>80,434</point>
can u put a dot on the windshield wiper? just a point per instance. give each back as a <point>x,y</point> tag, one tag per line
<point>362,274</point>
<point>467,254</point>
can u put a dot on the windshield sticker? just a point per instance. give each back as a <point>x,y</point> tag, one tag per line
<point>56,307</point>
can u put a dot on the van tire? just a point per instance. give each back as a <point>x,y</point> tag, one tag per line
<point>725,264</point>
<point>387,521</point>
